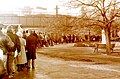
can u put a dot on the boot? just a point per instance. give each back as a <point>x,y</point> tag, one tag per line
<point>33,64</point>
<point>28,64</point>
<point>19,68</point>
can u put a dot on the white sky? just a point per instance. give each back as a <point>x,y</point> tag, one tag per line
<point>15,5</point>
<point>12,4</point>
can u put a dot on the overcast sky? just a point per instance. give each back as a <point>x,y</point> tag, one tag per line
<point>15,5</point>
<point>12,4</point>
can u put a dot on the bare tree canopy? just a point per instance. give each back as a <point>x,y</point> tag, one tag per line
<point>100,13</point>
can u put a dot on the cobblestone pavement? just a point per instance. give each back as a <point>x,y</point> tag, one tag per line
<point>54,68</point>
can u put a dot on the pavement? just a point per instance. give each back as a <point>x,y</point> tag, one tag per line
<point>90,65</point>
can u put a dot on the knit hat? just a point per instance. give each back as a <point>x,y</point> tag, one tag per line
<point>1,26</point>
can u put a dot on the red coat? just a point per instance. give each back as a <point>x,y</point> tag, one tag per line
<point>31,44</point>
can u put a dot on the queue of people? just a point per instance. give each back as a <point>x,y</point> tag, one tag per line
<point>50,39</point>
<point>25,44</point>
<point>46,40</point>
<point>19,51</point>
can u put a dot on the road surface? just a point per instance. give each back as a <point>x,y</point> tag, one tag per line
<point>54,68</point>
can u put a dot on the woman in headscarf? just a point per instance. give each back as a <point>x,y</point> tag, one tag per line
<point>21,58</point>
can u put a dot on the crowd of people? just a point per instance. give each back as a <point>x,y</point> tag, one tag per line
<point>18,51</point>
<point>51,39</point>
<point>19,47</point>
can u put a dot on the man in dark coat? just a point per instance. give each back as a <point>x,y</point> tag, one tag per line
<point>31,44</point>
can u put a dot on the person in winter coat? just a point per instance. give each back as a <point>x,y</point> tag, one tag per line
<point>15,39</point>
<point>5,45</point>
<point>31,44</point>
<point>21,58</point>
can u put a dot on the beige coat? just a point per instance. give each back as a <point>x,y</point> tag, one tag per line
<point>21,58</point>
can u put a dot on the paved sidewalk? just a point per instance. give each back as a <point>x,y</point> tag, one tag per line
<point>68,62</point>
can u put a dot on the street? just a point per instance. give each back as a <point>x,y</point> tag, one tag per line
<point>55,68</point>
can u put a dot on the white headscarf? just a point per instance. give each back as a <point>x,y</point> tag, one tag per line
<point>19,34</point>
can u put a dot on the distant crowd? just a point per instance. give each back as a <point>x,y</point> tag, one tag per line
<point>46,39</point>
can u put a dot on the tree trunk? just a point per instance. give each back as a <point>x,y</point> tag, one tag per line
<point>107,34</point>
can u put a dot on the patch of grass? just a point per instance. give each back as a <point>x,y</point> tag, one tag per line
<point>78,54</point>
<point>85,44</point>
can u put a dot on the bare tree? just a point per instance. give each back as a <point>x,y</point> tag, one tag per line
<point>100,13</point>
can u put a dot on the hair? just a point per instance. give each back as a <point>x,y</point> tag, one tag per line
<point>1,26</point>
<point>26,31</point>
